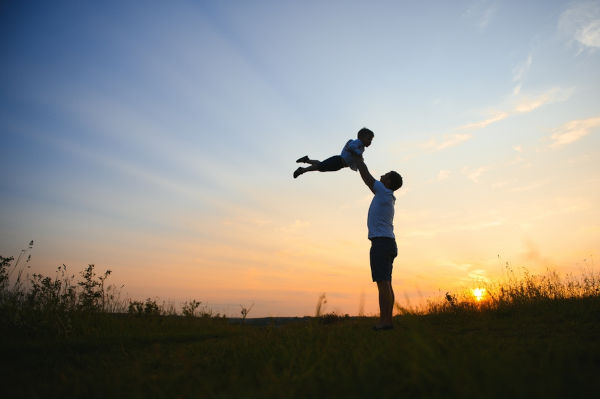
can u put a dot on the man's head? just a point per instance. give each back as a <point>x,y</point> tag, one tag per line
<point>392,180</point>
<point>366,136</point>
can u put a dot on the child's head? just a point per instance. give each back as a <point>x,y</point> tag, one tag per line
<point>366,136</point>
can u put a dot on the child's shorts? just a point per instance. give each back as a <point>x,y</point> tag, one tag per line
<point>332,164</point>
<point>382,254</point>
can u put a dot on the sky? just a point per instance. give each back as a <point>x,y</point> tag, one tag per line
<point>158,140</point>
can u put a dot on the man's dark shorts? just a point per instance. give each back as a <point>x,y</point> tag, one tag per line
<point>383,252</point>
<point>332,164</point>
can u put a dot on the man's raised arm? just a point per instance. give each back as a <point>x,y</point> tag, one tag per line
<point>366,175</point>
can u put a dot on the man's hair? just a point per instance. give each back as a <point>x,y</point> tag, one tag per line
<point>364,132</point>
<point>395,180</point>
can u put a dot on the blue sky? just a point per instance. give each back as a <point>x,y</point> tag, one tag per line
<point>159,139</point>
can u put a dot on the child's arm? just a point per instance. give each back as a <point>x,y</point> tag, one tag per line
<point>366,175</point>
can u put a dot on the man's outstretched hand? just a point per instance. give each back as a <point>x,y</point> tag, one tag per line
<point>365,174</point>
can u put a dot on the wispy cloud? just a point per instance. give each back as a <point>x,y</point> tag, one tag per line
<point>474,174</point>
<point>519,73</point>
<point>481,12</point>
<point>581,22</point>
<point>448,140</point>
<point>528,103</point>
<point>486,17</point>
<point>521,103</point>
<point>573,131</point>
<point>498,116</point>
<point>521,70</point>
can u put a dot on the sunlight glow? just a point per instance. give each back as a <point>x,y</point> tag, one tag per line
<point>478,293</point>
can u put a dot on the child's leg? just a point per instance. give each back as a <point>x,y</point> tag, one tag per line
<point>306,159</point>
<point>331,164</point>
<point>310,168</point>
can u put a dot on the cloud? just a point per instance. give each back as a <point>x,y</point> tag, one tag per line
<point>519,73</point>
<point>522,103</point>
<point>475,174</point>
<point>526,103</point>
<point>443,175</point>
<point>481,12</point>
<point>521,70</point>
<point>573,131</point>
<point>498,116</point>
<point>449,140</point>
<point>582,22</point>
<point>486,17</point>
<point>590,34</point>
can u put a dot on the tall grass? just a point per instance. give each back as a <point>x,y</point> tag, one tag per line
<point>518,289</point>
<point>57,305</point>
<point>50,304</point>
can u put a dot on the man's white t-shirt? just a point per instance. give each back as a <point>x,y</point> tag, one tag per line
<point>381,212</point>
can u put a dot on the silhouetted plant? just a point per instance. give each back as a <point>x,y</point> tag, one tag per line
<point>151,308</point>
<point>4,266</point>
<point>147,308</point>
<point>92,297</point>
<point>320,304</point>
<point>450,299</point>
<point>189,308</point>
<point>245,311</point>
<point>56,294</point>
<point>330,318</point>
<point>136,308</point>
<point>21,254</point>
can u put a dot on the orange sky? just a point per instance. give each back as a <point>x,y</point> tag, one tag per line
<point>160,143</point>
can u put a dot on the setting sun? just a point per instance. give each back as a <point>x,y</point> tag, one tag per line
<point>478,293</point>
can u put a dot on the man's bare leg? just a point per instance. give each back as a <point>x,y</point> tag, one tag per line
<point>386,303</point>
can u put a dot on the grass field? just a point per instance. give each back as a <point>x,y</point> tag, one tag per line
<point>536,350</point>
<point>540,345</point>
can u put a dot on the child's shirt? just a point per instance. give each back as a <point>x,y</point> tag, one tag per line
<point>352,151</point>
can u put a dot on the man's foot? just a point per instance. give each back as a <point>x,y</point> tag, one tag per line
<point>304,159</point>
<point>380,327</point>
<point>298,172</point>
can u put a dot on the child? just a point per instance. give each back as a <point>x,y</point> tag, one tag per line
<point>351,152</point>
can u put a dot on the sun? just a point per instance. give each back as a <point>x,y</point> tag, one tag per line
<point>478,293</point>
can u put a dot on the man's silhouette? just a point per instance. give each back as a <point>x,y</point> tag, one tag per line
<point>380,223</point>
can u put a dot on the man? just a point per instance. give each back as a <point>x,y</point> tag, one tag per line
<point>380,223</point>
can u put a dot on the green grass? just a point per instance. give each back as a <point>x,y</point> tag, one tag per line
<point>533,336</point>
<point>546,349</point>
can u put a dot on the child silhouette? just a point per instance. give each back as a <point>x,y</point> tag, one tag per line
<point>351,154</point>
